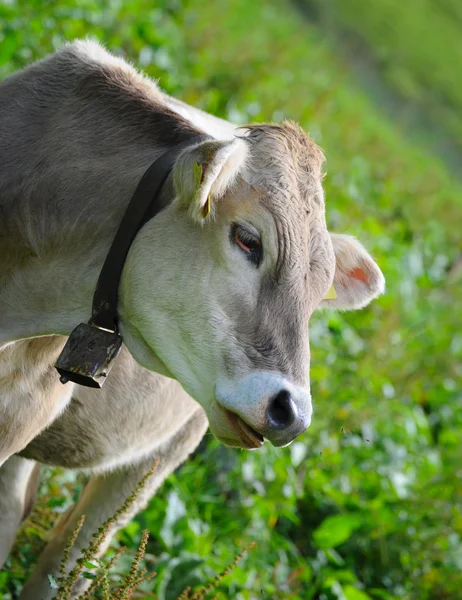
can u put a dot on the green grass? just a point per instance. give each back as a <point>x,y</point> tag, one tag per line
<point>367,503</point>
<point>415,49</point>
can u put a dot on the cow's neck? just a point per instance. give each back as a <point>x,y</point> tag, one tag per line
<point>53,293</point>
<point>50,296</point>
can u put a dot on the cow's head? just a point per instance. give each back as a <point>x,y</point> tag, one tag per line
<point>218,289</point>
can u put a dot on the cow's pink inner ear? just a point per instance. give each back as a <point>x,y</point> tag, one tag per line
<point>357,279</point>
<point>359,274</point>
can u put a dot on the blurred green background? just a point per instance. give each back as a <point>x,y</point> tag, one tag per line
<point>368,503</point>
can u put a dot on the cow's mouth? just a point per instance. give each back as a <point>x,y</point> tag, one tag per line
<point>250,437</point>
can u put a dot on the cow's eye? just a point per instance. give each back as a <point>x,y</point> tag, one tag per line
<point>249,241</point>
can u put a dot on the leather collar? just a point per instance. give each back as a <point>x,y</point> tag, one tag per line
<point>145,204</point>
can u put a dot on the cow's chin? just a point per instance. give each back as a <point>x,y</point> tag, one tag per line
<point>140,350</point>
<point>231,430</point>
<point>226,426</point>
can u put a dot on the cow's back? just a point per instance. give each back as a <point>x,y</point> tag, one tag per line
<point>78,129</point>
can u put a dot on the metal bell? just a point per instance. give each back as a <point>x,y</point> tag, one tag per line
<point>88,355</point>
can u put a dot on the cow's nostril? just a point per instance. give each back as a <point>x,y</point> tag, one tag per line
<point>282,410</point>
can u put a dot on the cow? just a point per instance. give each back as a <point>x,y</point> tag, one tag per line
<point>215,296</point>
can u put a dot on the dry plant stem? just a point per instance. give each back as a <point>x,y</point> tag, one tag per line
<point>88,595</point>
<point>130,581</point>
<point>143,577</point>
<point>184,594</point>
<point>88,553</point>
<point>105,589</point>
<point>70,543</point>
<point>136,575</point>
<point>95,584</point>
<point>202,593</point>
<point>66,583</point>
<point>116,556</point>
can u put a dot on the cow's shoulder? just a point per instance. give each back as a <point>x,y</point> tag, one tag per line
<point>88,55</point>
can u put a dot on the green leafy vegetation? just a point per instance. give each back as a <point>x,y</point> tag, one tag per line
<point>367,504</point>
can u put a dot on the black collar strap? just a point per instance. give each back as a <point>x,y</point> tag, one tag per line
<point>91,348</point>
<point>142,208</point>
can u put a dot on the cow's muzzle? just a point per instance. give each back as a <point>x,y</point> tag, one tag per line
<point>269,404</point>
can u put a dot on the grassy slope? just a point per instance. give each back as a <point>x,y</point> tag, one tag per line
<point>416,47</point>
<point>368,498</point>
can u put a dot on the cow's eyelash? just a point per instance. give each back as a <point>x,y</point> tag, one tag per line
<point>248,241</point>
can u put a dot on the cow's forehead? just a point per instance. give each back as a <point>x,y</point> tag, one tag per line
<point>286,165</point>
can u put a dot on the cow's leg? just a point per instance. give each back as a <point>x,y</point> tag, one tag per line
<point>31,396</point>
<point>102,496</point>
<point>18,487</point>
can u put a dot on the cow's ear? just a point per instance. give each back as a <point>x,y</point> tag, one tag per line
<point>357,279</point>
<point>204,173</point>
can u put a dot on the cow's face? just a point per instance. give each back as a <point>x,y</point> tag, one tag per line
<point>218,289</point>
